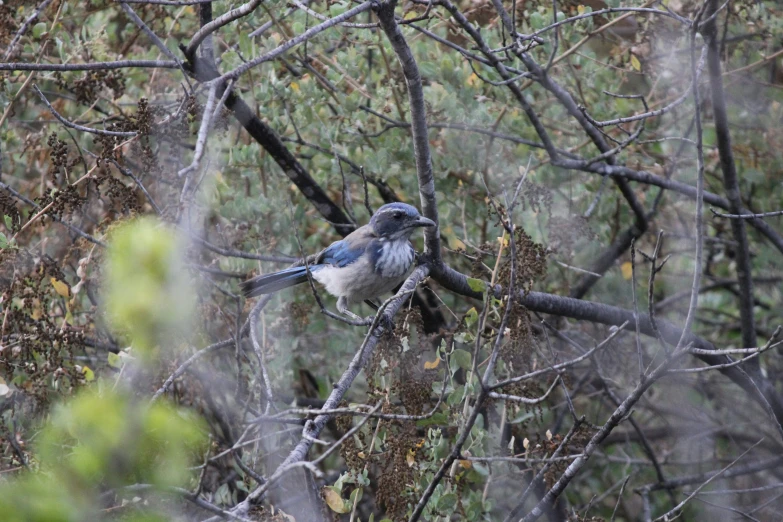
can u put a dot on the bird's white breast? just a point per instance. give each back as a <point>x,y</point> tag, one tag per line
<point>395,259</point>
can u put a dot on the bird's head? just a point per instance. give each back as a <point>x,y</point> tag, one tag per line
<point>397,221</point>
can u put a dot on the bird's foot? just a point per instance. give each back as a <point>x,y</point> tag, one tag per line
<point>367,321</point>
<point>385,322</point>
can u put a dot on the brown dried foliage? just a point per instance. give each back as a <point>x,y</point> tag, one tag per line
<point>37,350</point>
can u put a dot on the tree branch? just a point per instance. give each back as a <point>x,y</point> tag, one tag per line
<point>94,66</point>
<point>293,42</point>
<point>217,23</point>
<point>614,316</point>
<point>421,147</point>
<point>730,181</point>
<point>23,28</point>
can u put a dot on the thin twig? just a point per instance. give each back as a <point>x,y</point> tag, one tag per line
<point>92,66</point>
<point>747,216</point>
<point>668,514</point>
<point>698,264</point>
<point>80,127</point>
<point>23,28</point>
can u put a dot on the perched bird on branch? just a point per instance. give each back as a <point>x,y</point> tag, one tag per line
<point>368,263</point>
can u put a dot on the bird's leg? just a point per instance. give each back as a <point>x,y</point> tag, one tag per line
<point>342,307</point>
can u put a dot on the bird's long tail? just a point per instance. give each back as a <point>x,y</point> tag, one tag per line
<point>270,283</point>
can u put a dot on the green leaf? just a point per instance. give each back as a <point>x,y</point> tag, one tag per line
<point>148,295</point>
<point>455,397</point>
<point>438,418</point>
<point>537,21</point>
<point>9,224</point>
<point>245,44</point>
<point>428,69</point>
<point>441,449</point>
<point>363,478</point>
<point>356,496</point>
<point>463,358</point>
<point>477,285</point>
<point>337,9</point>
<point>471,317</point>
<point>89,375</point>
<point>39,29</point>
<point>345,478</point>
<point>115,361</point>
<point>3,240</point>
<point>481,469</point>
<point>447,502</point>
<point>474,510</point>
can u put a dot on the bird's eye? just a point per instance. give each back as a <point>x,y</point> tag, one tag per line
<point>398,215</point>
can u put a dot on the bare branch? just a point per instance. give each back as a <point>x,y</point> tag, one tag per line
<point>23,28</point>
<point>93,66</point>
<point>80,127</point>
<point>323,18</point>
<point>663,110</point>
<point>70,227</point>
<point>166,2</point>
<point>525,400</point>
<point>605,314</point>
<point>698,263</point>
<point>421,147</point>
<point>747,216</point>
<point>217,23</point>
<point>730,182</point>
<point>667,516</point>
<point>293,42</point>
<point>149,32</point>
<point>599,12</point>
<point>560,366</point>
<point>188,362</point>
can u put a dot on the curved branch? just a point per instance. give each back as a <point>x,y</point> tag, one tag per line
<point>77,126</point>
<point>217,23</point>
<point>421,146</point>
<point>643,176</point>
<point>266,137</point>
<point>23,28</point>
<point>293,42</point>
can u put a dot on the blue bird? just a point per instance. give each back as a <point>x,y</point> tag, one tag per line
<point>369,262</point>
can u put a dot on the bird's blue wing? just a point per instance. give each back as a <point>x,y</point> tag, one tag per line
<point>340,254</point>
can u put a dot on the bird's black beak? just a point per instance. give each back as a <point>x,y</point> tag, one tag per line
<point>421,221</point>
